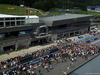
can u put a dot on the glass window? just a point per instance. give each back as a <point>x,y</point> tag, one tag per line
<point>1,24</point>
<point>22,32</point>
<point>17,18</point>
<point>1,19</point>
<point>18,23</point>
<point>22,18</point>
<point>42,30</point>
<point>7,24</point>
<point>12,23</point>
<point>12,18</point>
<point>22,22</point>
<point>7,18</point>
<point>2,35</point>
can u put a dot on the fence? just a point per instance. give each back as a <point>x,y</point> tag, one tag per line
<point>89,39</point>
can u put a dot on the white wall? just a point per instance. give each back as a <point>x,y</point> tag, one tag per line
<point>31,20</point>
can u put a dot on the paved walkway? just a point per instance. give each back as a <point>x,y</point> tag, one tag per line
<point>23,51</point>
<point>30,50</point>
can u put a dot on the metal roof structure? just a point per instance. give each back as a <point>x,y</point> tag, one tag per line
<point>34,16</point>
<point>7,16</point>
<point>63,18</point>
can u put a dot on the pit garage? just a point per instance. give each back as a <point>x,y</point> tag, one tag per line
<point>9,48</point>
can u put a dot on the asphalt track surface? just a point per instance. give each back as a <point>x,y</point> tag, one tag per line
<point>59,68</point>
<point>62,66</point>
<point>90,68</point>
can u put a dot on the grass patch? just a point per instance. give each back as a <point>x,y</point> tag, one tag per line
<point>78,12</point>
<point>16,10</point>
<point>54,13</point>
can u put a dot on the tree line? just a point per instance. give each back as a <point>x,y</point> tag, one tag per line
<point>50,4</point>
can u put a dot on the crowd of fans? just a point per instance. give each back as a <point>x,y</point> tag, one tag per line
<point>66,50</point>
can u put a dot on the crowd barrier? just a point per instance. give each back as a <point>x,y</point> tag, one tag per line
<point>35,61</point>
<point>53,51</point>
<point>42,58</point>
<point>89,39</point>
<point>25,59</point>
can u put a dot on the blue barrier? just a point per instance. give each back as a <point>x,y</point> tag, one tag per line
<point>99,37</point>
<point>95,39</point>
<point>40,59</point>
<point>45,57</point>
<point>84,38</point>
<point>79,39</point>
<point>88,41</point>
<point>36,61</point>
<point>51,55</point>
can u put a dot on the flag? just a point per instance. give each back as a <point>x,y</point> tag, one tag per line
<point>35,11</point>
<point>31,11</point>
<point>26,11</point>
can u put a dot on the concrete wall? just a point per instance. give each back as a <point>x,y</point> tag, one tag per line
<point>82,31</point>
<point>17,44</point>
<point>54,37</point>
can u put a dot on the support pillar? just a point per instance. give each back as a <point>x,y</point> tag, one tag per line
<point>79,32</point>
<point>16,46</point>
<point>68,34</point>
<point>29,42</point>
<point>74,33</point>
<point>2,50</point>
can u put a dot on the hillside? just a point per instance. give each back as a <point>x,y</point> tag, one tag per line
<point>17,10</point>
<point>96,14</point>
<point>47,5</point>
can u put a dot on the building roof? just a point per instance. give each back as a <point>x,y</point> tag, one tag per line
<point>34,16</point>
<point>49,20</point>
<point>7,16</point>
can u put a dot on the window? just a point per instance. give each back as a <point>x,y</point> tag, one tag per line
<point>12,18</point>
<point>12,23</point>
<point>1,24</point>
<point>42,30</point>
<point>1,19</point>
<point>21,33</point>
<point>22,18</point>
<point>7,18</point>
<point>18,23</point>
<point>7,24</point>
<point>2,35</point>
<point>22,22</point>
<point>17,18</point>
